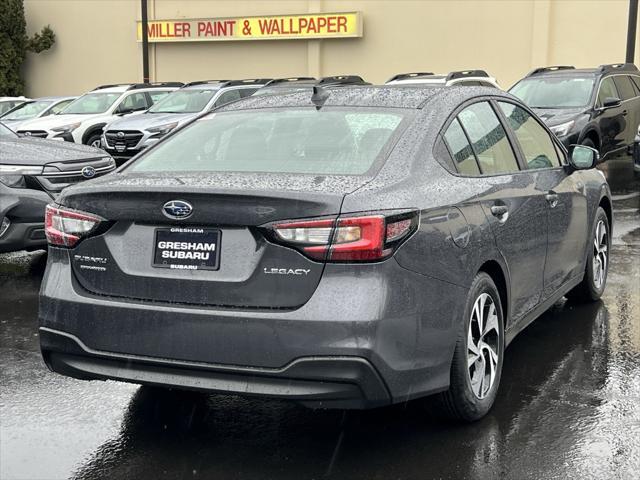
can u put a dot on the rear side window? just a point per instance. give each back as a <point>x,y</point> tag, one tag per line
<point>623,84</point>
<point>636,82</point>
<point>247,92</point>
<point>460,149</point>
<point>488,139</point>
<point>326,141</point>
<point>607,90</point>
<point>537,147</point>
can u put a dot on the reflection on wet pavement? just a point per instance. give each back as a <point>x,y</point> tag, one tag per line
<point>569,406</point>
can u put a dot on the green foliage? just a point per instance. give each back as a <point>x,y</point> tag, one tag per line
<point>14,45</point>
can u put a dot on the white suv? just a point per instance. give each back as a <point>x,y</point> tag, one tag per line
<point>125,137</point>
<point>469,78</point>
<point>82,120</point>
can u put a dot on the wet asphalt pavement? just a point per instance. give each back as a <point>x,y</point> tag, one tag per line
<point>568,407</point>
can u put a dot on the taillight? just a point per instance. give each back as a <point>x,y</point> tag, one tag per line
<point>65,228</point>
<point>363,238</point>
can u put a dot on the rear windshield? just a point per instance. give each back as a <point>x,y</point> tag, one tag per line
<point>326,141</point>
<point>561,91</point>
<point>184,101</point>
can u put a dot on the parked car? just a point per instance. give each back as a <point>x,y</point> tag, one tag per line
<point>597,107</point>
<point>297,84</point>
<point>83,120</point>
<point>125,137</point>
<point>340,247</point>
<point>32,174</point>
<point>466,78</point>
<point>38,108</point>
<point>7,103</point>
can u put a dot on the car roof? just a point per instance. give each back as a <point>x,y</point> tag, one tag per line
<point>383,96</point>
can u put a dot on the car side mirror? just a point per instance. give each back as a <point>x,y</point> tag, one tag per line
<point>583,157</point>
<point>610,102</point>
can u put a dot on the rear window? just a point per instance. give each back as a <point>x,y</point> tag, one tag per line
<point>326,141</point>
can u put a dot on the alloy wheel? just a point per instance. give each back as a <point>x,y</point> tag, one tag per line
<point>96,143</point>
<point>483,341</point>
<point>600,252</point>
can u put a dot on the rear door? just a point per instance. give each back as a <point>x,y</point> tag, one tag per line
<point>566,201</point>
<point>513,203</point>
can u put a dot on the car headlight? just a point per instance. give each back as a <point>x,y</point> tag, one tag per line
<point>562,129</point>
<point>162,129</point>
<point>66,128</point>
<point>13,175</point>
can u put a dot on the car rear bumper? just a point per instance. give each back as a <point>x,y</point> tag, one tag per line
<point>319,382</point>
<point>386,323</point>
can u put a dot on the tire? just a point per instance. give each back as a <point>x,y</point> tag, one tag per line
<point>94,138</point>
<point>470,400</point>
<point>594,282</point>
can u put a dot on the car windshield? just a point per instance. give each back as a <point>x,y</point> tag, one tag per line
<point>184,101</point>
<point>6,132</point>
<point>27,110</point>
<point>306,141</point>
<point>95,102</point>
<point>559,91</point>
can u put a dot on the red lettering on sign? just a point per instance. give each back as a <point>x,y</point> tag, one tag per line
<point>312,26</point>
<point>342,24</point>
<point>322,22</point>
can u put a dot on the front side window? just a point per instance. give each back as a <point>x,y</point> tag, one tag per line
<point>555,91</point>
<point>488,139</point>
<point>461,151</point>
<point>300,141</point>
<point>59,107</point>
<point>93,103</point>
<point>157,95</point>
<point>537,147</point>
<point>228,96</point>
<point>607,90</point>
<point>27,110</point>
<point>624,87</point>
<point>133,102</point>
<point>184,101</point>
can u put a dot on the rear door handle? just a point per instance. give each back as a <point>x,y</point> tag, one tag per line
<point>500,212</point>
<point>624,112</point>
<point>552,198</point>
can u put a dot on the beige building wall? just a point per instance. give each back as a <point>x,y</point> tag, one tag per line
<point>96,40</point>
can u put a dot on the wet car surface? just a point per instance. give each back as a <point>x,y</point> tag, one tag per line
<point>569,405</point>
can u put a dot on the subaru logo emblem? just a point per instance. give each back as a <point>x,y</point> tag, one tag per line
<point>120,134</point>
<point>88,172</point>
<point>27,134</point>
<point>177,209</point>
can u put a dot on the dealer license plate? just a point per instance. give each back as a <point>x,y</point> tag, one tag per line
<point>187,248</point>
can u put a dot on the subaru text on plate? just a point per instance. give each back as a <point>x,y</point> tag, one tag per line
<point>341,247</point>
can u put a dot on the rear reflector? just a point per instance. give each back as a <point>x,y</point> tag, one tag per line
<point>347,239</point>
<point>65,228</point>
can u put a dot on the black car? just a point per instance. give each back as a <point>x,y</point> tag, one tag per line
<point>33,172</point>
<point>597,107</point>
<point>340,247</point>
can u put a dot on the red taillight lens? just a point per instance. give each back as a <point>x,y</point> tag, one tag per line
<point>65,228</point>
<point>348,239</point>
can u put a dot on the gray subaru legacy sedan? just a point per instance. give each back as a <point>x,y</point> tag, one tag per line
<point>343,248</point>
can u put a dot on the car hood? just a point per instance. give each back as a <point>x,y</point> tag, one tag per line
<point>149,120</point>
<point>13,124</point>
<point>556,116</point>
<point>53,121</point>
<point>38,151</point>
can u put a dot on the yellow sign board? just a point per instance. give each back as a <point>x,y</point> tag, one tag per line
<point>281,27</point>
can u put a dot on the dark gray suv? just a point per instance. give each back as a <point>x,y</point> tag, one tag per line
<point>598,107</point>
<point>340,247</point>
